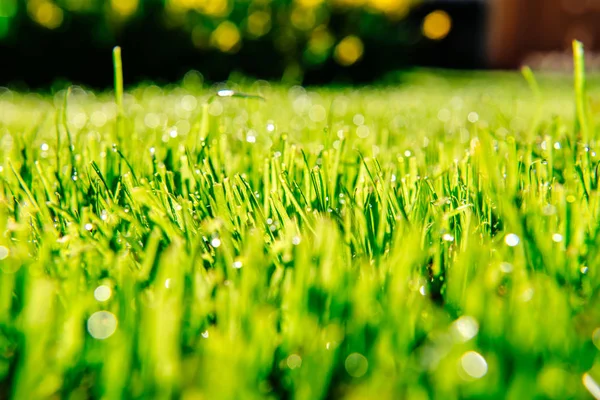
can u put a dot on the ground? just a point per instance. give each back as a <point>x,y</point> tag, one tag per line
<point>433,237</point>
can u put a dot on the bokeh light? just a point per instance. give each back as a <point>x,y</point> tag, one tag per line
<point>437,25</point>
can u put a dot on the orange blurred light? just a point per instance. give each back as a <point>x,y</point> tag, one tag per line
<point>437,25</point>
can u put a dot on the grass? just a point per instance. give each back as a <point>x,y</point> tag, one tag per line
<point>433,239</point>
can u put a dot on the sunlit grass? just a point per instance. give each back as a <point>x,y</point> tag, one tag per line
<point>432,239</point>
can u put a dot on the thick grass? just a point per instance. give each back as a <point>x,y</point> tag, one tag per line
<point>433,239</point>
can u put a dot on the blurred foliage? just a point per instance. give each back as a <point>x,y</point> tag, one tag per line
<point>281,37</point>
<point>299,28</point>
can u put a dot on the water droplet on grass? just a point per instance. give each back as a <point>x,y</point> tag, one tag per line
<point>473,364</point>
<point>448,237</point>
<point>505,267</point>
<point>102,293</point>
<point>511,240</point>
<point>102,325</point>
<point>466,328</point>
<point>225,93</point>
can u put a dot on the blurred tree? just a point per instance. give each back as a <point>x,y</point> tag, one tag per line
<point>312,40</point>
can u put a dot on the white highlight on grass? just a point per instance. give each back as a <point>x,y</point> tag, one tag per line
<point>511,240</point>
<point>557,238</point>
<point>205,334</point>
<point>270,126</point>
<point>473,364</point>
<point>505,267</point>
<point>3,252</point>
<point>102,293</point>
<point>216,242</point>
<point>88,227</point>
<point>465,328</point>
<point>591,385</point>
<point>447,237</point>
<point>225,93</point>
<point>250,138</point>
<point>296,240</point>
<point>237,264</point>
<point>527,294</point>
<point>45,147</point>
<point>102,325</point>
<point>356,365</point>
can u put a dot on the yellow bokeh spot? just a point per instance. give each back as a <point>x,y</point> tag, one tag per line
<point>349,3</point>
<point>226,37</point>
<point>437,25</point>
<point>320,41</point>
<point>349,50</point>
<point>124,7</point>
<point>309,3</point>
<point>214,8</point>
<point>392,8</point>
<point>303,18</point>
<point>259,23</point>
<point>45,13</point>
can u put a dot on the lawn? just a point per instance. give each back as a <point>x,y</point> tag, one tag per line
<point>436,237</point>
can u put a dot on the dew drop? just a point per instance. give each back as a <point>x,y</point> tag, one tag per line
<point>102,325</point>
<point>102,293</point>
<point>473,364</point>
<point>511,240</point>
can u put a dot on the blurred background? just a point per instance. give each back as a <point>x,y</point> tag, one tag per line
<point>44,42</point>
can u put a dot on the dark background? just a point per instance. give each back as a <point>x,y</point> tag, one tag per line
<point>161,45</point>
<point>79,50</point>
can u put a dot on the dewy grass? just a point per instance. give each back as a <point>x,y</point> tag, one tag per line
<point>437,239</point>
